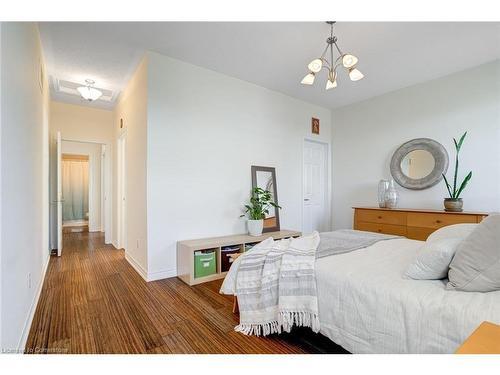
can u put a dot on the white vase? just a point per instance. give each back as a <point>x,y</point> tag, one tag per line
<point>383,185</point>
<point>255,227</point>
<point>391,196</point>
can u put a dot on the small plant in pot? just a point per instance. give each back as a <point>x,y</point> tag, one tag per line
<point>454,203</point>
<point>260,202</point>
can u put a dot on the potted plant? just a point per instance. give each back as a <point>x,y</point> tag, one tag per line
<point>260,202</point>
<point>454,203</point>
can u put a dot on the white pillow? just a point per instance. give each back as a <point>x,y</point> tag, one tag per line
<point>433,259</point>
<point>452,231</point>
<point>476,266</point>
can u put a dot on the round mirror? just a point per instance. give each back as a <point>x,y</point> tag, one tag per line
<point>419,164</point>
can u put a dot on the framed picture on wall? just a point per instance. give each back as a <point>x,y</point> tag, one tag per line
<point>315,125</point>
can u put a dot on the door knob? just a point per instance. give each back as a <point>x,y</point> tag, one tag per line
<point>306,199</point>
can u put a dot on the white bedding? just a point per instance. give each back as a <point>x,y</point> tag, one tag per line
<point>367,306</point>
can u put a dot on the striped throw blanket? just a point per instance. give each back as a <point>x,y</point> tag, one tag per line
<point>276,287</point>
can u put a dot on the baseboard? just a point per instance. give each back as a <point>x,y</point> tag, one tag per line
<point>139,269</point>
<point>152,276</point>
<point>158,275</point>
<point>34,303</point>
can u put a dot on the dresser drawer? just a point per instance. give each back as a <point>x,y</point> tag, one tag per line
<point>418,233</point>
<point>398,230</point>
<point>436,220</point>
<point>381,217</point>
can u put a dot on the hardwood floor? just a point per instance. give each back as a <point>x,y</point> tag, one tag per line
<point>93,301</point>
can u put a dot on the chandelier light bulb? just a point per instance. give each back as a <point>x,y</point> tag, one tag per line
<point>349,60</point>
<point>331,84</point>
<point>308,79</point>
<point>315,65</point>
<point>355,74</point>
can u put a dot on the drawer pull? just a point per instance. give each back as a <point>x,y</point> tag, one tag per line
<point>380,217</point>
<point>438,221</point>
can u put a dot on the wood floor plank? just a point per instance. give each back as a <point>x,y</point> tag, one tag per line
<point>93,301</point>
<point>59,329</point>
<point>82,335</point>
<point>122,326</point>
<point>177,344</point>
<point>143,326</point>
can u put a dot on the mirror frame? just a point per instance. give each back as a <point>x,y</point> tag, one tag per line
<point>435,148</point>
<point>256,169</point>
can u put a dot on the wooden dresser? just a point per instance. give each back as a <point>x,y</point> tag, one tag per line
<point>412,223</point>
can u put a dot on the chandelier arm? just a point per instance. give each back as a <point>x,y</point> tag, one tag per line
<point>331,52</point>
<point>325,62</point>
<point>337,62</point>
<point>338,49</point>
<point>323,54</point>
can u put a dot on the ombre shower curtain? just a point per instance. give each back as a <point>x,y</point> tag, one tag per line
<point>75,181</point>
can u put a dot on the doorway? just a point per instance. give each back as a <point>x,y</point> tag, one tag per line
<point>75,192</point>
<point>316,212</point>
<point>81,181</point>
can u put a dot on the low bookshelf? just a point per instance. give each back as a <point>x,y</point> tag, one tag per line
<point>216,247</point>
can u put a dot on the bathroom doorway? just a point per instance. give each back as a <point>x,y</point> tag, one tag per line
<point>75,192</point>
<point>82,186</point>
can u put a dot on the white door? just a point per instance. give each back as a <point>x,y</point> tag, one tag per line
<point>122,192</point>
<point>315,187</point>
<point>59,196</point>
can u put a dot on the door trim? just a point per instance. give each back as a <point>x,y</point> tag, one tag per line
<point>59,210</point>
<point>121,190</point>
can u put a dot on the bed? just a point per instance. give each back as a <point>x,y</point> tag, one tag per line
<point>366,305</point>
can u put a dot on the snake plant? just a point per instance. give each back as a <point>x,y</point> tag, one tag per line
<point>456,190</point>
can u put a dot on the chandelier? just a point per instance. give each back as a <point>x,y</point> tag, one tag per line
<point>346,60</point>
<point>88,92</point>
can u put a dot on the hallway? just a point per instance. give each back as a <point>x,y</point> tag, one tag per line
<point>93,301</point>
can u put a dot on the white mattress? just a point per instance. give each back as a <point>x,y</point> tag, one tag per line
<point>367,306</point>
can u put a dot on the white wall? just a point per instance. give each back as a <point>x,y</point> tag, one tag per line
<point>83,124</point>
<point>1,298</point>
<point>132,109</point>
<point>24,170</point>
<point>93,151</point>
<point>205,131</point>
<point>366,134</point>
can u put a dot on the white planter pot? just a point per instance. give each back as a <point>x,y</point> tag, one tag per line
<point>255,227</point>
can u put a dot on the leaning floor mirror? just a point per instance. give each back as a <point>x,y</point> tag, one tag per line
<point>265,178</point>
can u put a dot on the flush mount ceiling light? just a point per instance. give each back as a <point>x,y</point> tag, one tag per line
<point>88,92</point>
<point>346,60</point>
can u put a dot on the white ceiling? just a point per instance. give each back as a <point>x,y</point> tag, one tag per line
<point>273,55</point>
